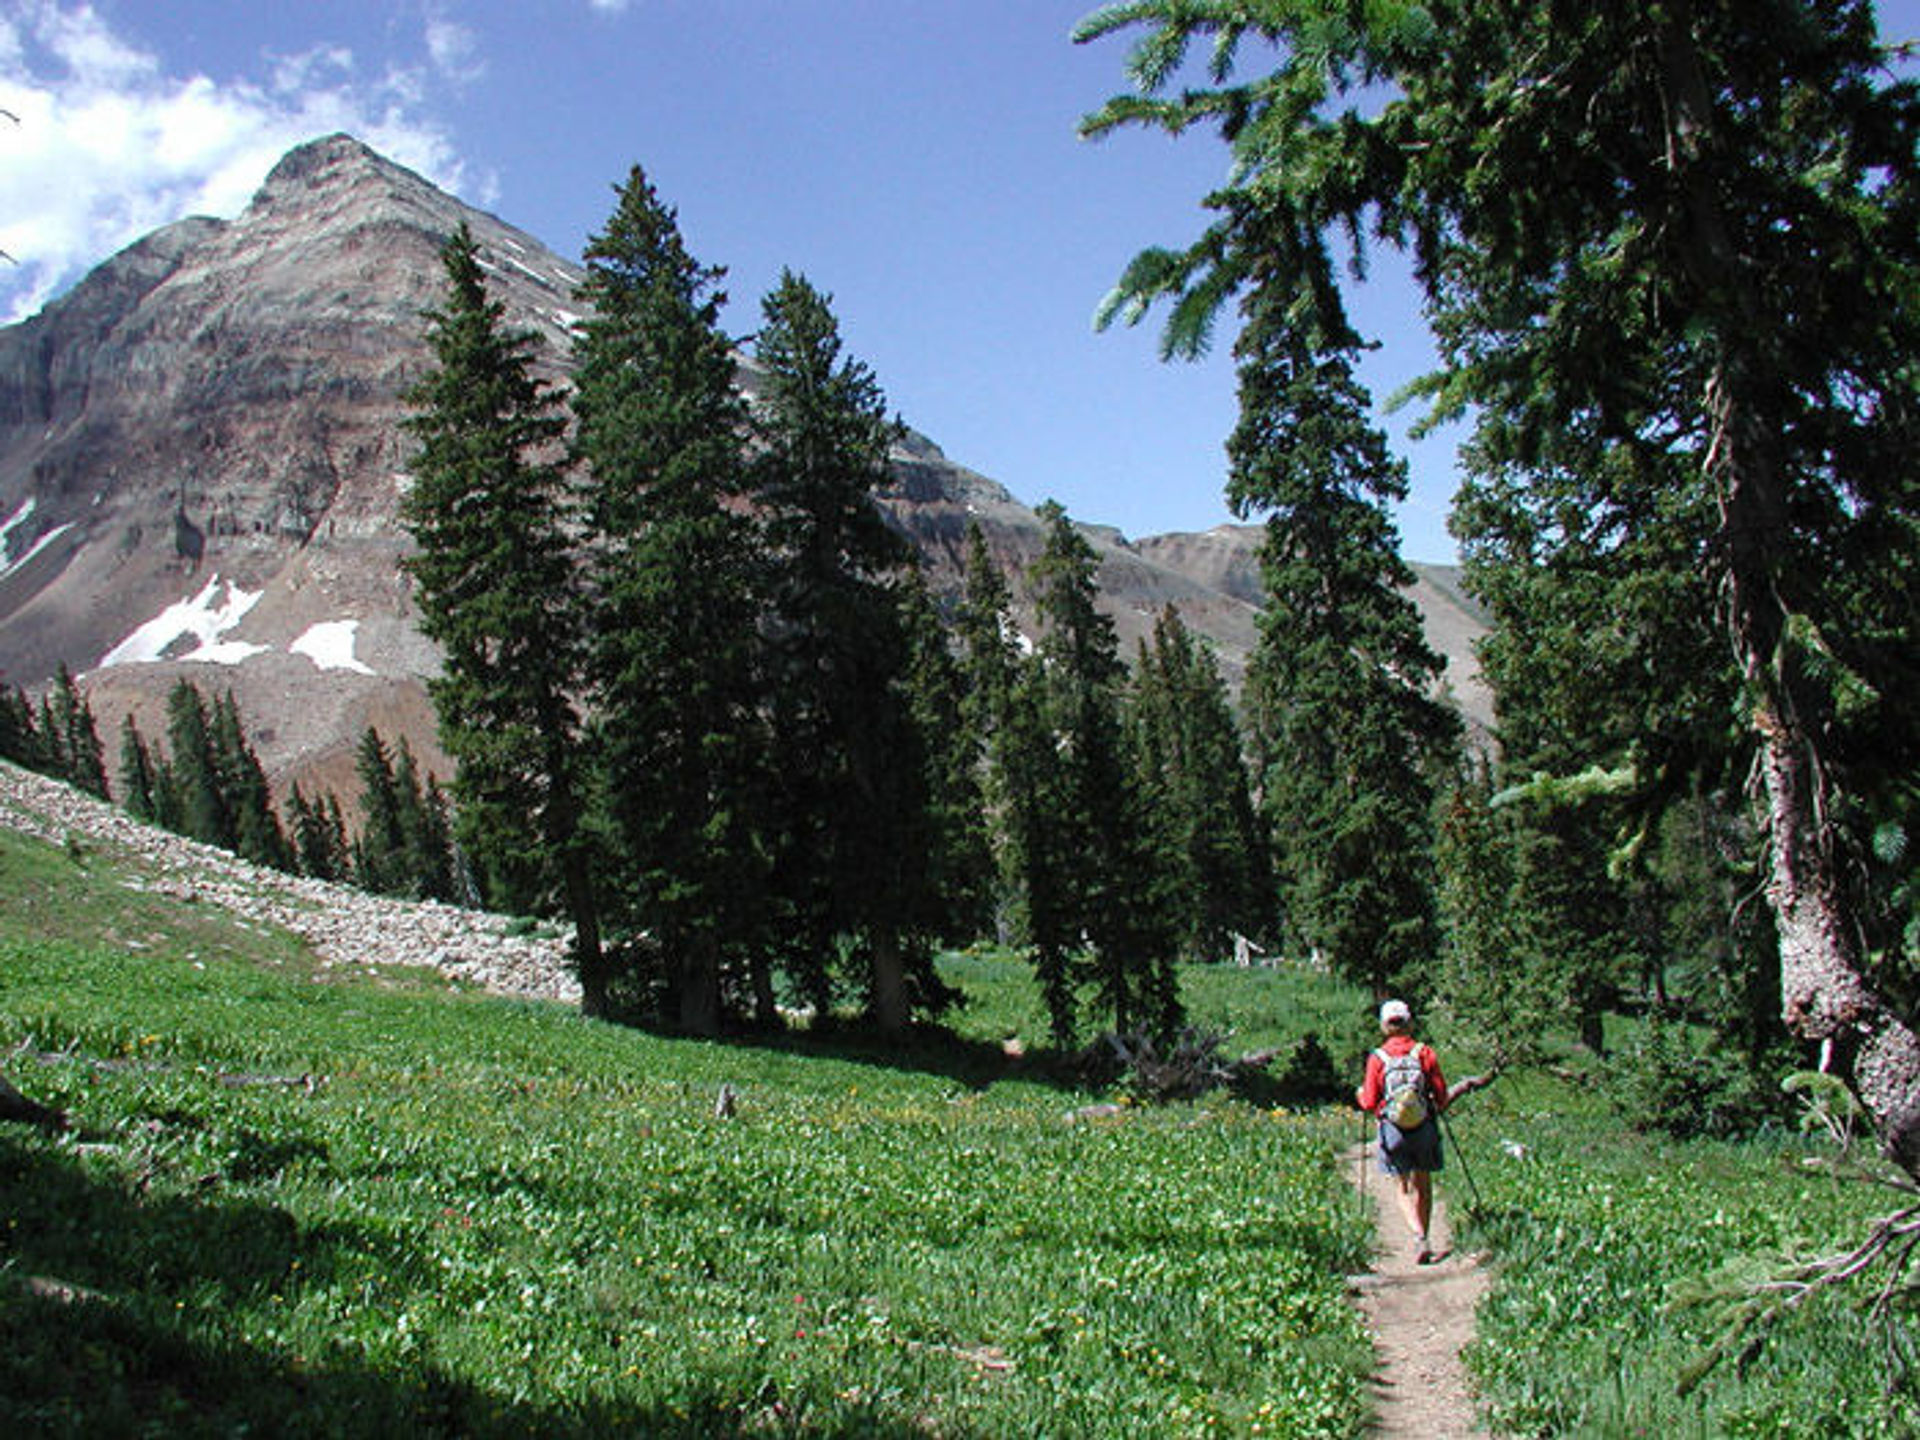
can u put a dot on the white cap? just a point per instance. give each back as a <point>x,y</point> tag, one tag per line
<point>1395,1010</point>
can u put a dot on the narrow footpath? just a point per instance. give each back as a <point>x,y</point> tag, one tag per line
<point>1421,1317</point>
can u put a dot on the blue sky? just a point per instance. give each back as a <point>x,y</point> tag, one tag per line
<point>915,158</point>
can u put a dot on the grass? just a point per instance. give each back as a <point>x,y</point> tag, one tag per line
<point>1616,1255</point>
<point>486,1218</point>
<point>304,1205</point>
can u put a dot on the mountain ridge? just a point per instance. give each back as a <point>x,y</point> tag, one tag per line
<point>213,415</point>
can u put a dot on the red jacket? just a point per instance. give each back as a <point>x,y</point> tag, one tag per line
<point>1373,1088</point>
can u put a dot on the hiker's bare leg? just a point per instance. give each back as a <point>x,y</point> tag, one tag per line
<point>1407,1189</point>
<point>1415,1193</point>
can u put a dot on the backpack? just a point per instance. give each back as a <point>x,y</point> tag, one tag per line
<point>1404,1086</point>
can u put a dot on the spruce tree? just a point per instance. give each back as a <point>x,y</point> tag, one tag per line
<point>318,848</point>
<point>673,661</point>
<point>1187,749</point>
<point>960,881</point>
<point>83,761</point>
<point>16,727</point>
<point>200,807</point>
<point>426,849</point>
<point>257,835</point>
<point>852,788</point>
<point>496,588</point>
<point>137,780</point>
<point>380,849</point>
<point>989,660</point>
<point>1119,882</point>
<point>1348,733</point>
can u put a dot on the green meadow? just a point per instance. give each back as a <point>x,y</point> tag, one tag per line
<point>294,1203</point>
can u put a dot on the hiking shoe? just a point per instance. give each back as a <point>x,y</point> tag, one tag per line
<point>1422,1253</point>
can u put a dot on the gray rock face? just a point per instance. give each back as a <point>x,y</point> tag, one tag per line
<point>201,458</point>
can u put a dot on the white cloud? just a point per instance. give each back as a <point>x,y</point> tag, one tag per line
<point>609,7</point>
<point>454,51</point>
<point>109,146</point>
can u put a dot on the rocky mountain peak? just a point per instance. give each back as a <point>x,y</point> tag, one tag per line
<point>337,183</point>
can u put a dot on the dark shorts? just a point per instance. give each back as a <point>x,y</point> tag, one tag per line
<point>1404,1151</point>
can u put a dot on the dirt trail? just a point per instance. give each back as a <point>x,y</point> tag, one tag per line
<point>1421,1317</point>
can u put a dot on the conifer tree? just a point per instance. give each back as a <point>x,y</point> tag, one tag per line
<point>496,588</point>
<point>83,761</point>
<point>320,847</point>
<point>989,662</point>
<point>200,804</point>
<point>852,790</point>
<point>1348,733</point>
<point>243,783</point>
<point>137,781</point>
<point>960,881</point>
<point>426,849</point>
<point>16,727</point>
<point>380,849</point>
<point>1188,757</point>
<point>1482,977</point>
<point>1119,883</point>
<point>674,659</point>
<point>51,739</point>
<point>1039,839</point>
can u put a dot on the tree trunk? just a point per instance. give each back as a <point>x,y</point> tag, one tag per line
<point>1824,992</point>
<point>589,958</point>
<point>699,989</point>
<point>1825,997</point>
<point>576,876</point>
<point>889,979</point>
<point>766,1007</point>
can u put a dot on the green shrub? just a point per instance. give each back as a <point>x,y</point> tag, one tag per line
<point>1661,1080</point>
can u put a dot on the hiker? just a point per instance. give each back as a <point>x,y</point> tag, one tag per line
<point>1406,1092</point>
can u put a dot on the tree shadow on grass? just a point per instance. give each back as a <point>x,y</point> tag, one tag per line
<point>931,1050</point>
<point>111,1306</point>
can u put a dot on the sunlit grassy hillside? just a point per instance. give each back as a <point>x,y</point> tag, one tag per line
<point>297,1204</point>
<point>309,1206</point>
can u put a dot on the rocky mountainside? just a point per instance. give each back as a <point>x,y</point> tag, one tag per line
<point>201,457</point>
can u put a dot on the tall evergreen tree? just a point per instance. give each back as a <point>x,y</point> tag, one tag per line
<point>200,803</point>
<point>427,848</point>
<point>1120,884</point>
<point>257,835</point>
<point>1699,301</point>
<point>83,761</point>
<point>16,726</point>
<point>989,660</point>
<point>318,837</point>
<point>380,848</point>
<point>1348,734</point>
<point>960,882</point>
<point>496,588</point>
<point>1188,750</point>
<point>137,779</point>
<point>673,662</point>
<point>853,792</point>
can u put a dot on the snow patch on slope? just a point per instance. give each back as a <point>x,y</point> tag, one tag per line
<point>329,645</point>
<point>204,618</point>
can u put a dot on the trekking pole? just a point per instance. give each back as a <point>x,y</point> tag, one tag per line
<point>1465,1172</point>
<point>1362,1176</point>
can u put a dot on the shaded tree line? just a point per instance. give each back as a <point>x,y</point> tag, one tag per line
<point>56,737</point>
<point>206,782</point>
